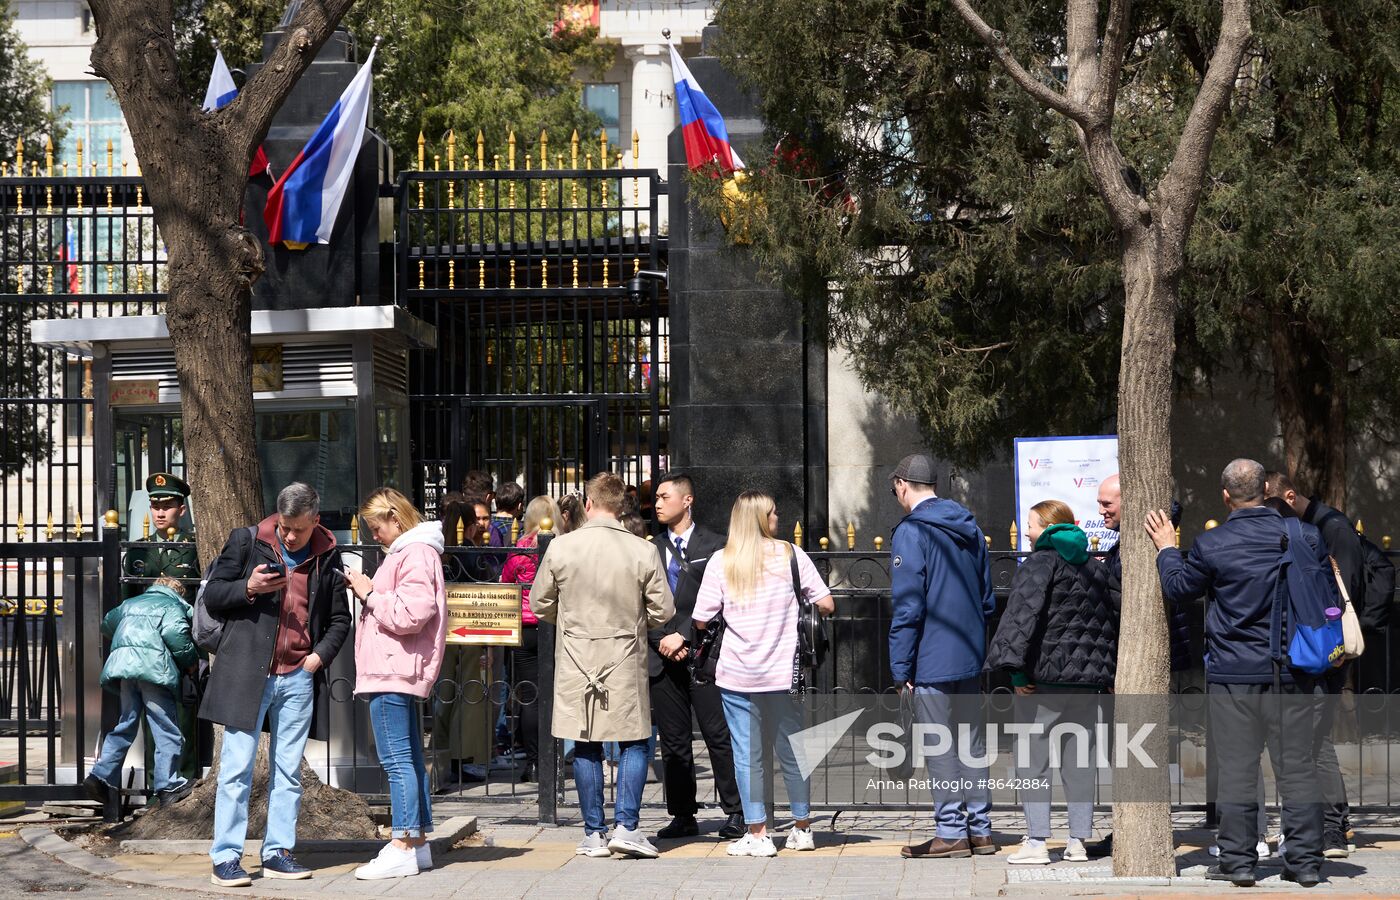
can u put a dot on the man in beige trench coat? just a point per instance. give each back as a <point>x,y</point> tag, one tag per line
<point>604,588</point>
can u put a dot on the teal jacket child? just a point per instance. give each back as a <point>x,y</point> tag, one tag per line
<point>150,640</point>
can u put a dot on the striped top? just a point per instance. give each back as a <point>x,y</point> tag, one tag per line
<point>760,639</point>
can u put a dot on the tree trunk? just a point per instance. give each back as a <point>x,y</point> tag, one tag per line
<point>208,313</point>
<point>1310,399</point>
<point>327,813</point>
<point>1142,831</point>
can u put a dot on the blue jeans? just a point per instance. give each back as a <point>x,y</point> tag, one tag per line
<point>287,702</point>
<point>779,716</point>
<point>631,779</point>
<point>398,738</point>
<point>959,813</point>
<point>161,720</point>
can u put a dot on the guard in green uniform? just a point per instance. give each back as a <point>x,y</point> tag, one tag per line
<point>168,494</point>
<point>178,559</point>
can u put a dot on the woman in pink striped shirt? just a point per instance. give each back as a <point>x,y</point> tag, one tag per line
<point>750,583</point>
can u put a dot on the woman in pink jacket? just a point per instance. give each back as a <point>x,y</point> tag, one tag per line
<point>399,643</point>
<point>525,661</point>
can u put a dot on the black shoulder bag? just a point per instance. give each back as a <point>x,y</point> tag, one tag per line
<point>812,640</point>
<point>704,655</point>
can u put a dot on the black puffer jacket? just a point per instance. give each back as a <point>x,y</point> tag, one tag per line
<point>1061,623</point>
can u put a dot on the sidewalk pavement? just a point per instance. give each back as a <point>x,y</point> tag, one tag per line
<point>512,857</point>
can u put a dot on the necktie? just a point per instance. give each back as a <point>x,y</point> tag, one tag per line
<point>673,571</point>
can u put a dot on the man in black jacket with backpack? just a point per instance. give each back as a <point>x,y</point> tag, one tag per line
<point>1239,565</point>
<point>1344,545</point>
<point>685,547</point>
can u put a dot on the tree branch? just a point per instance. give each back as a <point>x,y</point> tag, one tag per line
<point>1042,92</point>
<point>1180,189</point>
<point>1110,68</point>
<point>250,114</point>
<point>1082,48</point>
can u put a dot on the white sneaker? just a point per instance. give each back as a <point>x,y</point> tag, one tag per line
<point>594,845</point>
<point>632,843</point>
<point>1261,848</point>
<point>752,845</point>
<point>390,863</point>
<point>425,857</point>
<point>1030,853</point>
<point>800,839</point>
<point>1074,851</point>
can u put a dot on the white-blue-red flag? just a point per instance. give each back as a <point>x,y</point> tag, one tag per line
<point>702,127</point>
<point>302,205</point>
<point>219,94</point>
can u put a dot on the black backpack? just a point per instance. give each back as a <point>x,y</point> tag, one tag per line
<point>1374,608</point>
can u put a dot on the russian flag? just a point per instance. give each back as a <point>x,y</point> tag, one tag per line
<point>302,205</point>
<point>219,94</point>
<point>702,127</point>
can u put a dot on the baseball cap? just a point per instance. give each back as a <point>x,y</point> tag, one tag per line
<point>917,468</point>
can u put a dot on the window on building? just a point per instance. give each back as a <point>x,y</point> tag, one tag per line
<point>602,100</point>
<point>94,116</point>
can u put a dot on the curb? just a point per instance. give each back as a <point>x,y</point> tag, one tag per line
<point>449,833</point>
<point>47,842</point>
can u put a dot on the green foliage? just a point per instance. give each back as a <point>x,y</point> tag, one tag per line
<point>973,274</point>
<point>463,65</point>
<point>24,95</point>
<point>24,370</point>
<point>974,271</point>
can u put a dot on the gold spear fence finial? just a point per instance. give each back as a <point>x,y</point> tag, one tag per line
<point>354,529</point>
<point>19,527</point>
<point>19,157</point>
<point>451,149</point>
<point>480,150</point>
<point>422,149</point>
<point>797,533</point>
<point>850,535</point>
<point>48,528</point>
<point>510,142</point>
<point>146,527</point>
<point>77,526</point>
<point>1014,545</point>
<point>48,156</point>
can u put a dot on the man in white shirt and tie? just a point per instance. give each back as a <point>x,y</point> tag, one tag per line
<point>685,547</point>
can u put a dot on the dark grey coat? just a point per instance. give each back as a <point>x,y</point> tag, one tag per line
<point>244,658</point>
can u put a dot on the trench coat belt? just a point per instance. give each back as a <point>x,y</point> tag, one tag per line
<point>596,689</point>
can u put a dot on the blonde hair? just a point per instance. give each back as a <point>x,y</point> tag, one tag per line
<point>1053,512</point>
<point>386,502</point>
<point>173,584</point>
<point>606,490</point>
<point>541,508</point>
<point>746,550</point>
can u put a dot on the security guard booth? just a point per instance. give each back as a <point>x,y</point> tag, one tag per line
<point>330,397</point>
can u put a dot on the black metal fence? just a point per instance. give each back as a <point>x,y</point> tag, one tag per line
<point>49,662</point>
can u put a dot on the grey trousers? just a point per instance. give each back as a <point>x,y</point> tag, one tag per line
<point>1050,707</point>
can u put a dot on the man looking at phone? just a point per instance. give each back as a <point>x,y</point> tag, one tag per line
<point>279,589</point>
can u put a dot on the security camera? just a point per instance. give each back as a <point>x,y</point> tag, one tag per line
<point>636,285</point>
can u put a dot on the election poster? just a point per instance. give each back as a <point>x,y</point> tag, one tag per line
<point>1068,469</point>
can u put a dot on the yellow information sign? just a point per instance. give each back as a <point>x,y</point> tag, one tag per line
<point>483,614</point>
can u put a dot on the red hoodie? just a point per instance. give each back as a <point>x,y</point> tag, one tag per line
<point>293,613</point>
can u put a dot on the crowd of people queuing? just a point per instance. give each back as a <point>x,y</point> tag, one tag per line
<point>633,606</point>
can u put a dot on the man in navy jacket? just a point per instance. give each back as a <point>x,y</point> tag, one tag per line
<point>1239,565</point>
<point>941,582</point>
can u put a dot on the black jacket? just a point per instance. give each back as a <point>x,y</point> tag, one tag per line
<point>1238,564</point>
<point>1178,614</point>
<point>240,668</point>
<point>1061,623</point>
<point>1344,545</point>
<point>703,544</point>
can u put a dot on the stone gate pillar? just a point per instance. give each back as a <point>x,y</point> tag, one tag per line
<point>748,381</point>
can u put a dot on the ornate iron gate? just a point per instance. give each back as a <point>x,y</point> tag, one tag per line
<point>552,359</point>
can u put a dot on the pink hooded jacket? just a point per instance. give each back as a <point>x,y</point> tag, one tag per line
<point>402,630</point>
